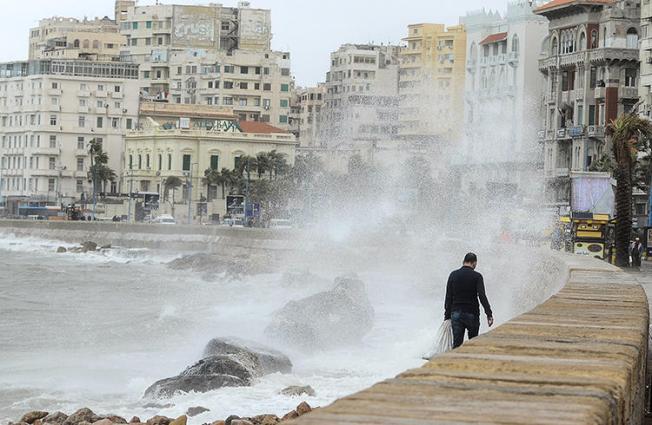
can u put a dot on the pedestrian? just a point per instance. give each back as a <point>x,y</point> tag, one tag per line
<point>464,288</point>
<point>637,253</point>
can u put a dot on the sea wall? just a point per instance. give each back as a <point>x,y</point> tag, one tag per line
<point>170,237</point>
<point>578,358</point>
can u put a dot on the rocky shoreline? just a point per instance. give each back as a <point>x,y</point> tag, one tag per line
<point>86,416</point>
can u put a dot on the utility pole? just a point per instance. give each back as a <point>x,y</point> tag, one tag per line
<point>131,191</point>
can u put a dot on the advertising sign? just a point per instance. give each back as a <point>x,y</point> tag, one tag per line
<point>194,26</point>
<point>592,192</point>
<point>235,206</point>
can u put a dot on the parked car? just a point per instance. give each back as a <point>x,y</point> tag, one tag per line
<point>164,219</point>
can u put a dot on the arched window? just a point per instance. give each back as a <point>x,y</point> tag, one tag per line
<point>554,48</point>
<point>632,38</point>
<point>96,44</point>
<point>582,45</point>
<point>76,44</point>
<point>515,45</point>
<point>86,44</point>
<point>594,39</point>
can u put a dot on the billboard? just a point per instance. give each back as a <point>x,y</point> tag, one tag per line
<point>592,192</point>
<point>235,206</point>
<point>195,26</point>
<point>255,28</point>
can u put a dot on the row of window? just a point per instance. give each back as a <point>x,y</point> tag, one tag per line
<point>34,141</point>
<point>32,184</point>
<point>55,85</point>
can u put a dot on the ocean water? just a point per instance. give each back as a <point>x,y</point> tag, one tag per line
<point>96,330</point>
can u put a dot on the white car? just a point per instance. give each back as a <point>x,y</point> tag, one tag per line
<point>164,219</point>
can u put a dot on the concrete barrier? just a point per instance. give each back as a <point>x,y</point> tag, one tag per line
<point>578,358</point>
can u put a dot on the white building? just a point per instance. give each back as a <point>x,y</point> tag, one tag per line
<point>307,105</point>
<point>361,95</point>
<point>500,151</point>
<point>49,111</point>
<point>210,55</point>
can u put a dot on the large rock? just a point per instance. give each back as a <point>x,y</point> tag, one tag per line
<point>296,391</point>
<point>89,246</point>
<point>331,319</point>
<point>82,415</point>
<point>33,416</point>
<point>227,363</point>
<point>211,265</point>
<point>266,360</point>
<point>197,410</point>
<point>56,418</point>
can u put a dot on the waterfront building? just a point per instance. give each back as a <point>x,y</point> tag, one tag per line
<point>431,83</point>
<point>185,140</point>
<point>49,112</point>
<point>645,86</point>
<point>591,76</point>
<point>308,103</point>
<point>361,99</point>
<point>500,153</point>
<point>210,55</point>
<point>70,38</point>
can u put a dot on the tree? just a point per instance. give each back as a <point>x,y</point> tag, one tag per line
<point>213,178</point>
<point>629,134</point>
<point>172,183</point>
<point>278,164</point>
<point>99,171</point>
<point>264,164</point>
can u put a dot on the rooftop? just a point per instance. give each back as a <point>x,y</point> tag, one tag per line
<point>560,4</point>
<point>260,128</point>
<point>494,38</point>
<point>187,111</point>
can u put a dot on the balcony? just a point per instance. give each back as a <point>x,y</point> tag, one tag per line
<point>605,55</point>
<point>562,134</point>
<point>55,92</point>
<point>576,131</point>
<point>115,95</point>
<point>46,151</point>
<point>512,58</point>
<point>596,131</point>
<point>628,93</point>
<point>83,93</point>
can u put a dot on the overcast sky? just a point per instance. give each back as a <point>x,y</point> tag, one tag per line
<point>308,29</point>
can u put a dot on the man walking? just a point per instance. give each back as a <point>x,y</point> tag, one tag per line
<point>636,252</point>
<point>464,288</point>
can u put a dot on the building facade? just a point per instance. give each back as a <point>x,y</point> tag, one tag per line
<point>70,38</point>
<point>361,104</point>
<point>501,100</point>
<point>49,112</point>
<point>645,86</point>
<point>210,55</point>
<point>591,74</point>
<point>308,104</point>
<point>185,140</point>
<point>431,83</point>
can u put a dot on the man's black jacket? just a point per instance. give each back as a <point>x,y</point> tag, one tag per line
<point>464,288</point>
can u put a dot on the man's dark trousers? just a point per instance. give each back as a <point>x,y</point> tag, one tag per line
<point>462,322</point>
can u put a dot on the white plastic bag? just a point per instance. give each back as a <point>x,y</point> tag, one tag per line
<point>444,341</point>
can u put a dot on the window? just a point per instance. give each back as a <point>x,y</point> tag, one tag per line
<point>100,122</point>
<point>215,159</point>
<point>52,164</point>
<point>244,86</point>
<point>582,44</point>
<point>243,101</point>
<point>267,87</point>
<point>283,119</point>
<point>580,115</point>
<point>140,162</point>
<point>285,87</point>
<point>228,84</point>
<point>82,121</point>
<point>115,122</point>
<point>80,186</point>
<point>630,77</point>
<point>53,142</point>
<point>169,161</point>
<point>131,162</point>
<point>227,101</point>
<point>100,104</point>
<point>228,69</point>
<point>515,45</point>
<point>594,39</point>
<point>134,25</point>
<point>80,164</point>
<point>53,120</point>
<point>130,123</point>
<point>632,38</point>
<point>186,163</point>
<point>148,24</point>
<point>80,143</point>
<point>51,185</point>
<point>244,70</point>
<point>285,103</point>
<point>55,85</point>
<point>160,162</point>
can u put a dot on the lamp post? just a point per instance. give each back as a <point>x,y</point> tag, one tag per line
<point>189,185</point>
<point>131,191</point>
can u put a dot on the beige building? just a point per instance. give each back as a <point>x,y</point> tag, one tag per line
<point>646,59</point>
<point>186,140</point>
<point>70,38</point>
<point>210,55</point>
<point>361,105</point>
<point>431,83</point>
<point>49,111</point>
<point>307,114</point>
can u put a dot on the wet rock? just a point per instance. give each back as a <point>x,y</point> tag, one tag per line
<point>158,406</point>
<point>296,391</point>
<point>303,408</point>
<point>230,419</point>
<point>265,420</point>
<point>85,423</point>
<point>181,420</point>
<point>266,360</point>
<point>198,410</point>
<point>82,415</point>
<point>89,246</point>
<point>159,420</point>
<point>56,418</point>
<point>327,320</point>
<point>206,375</point>
<point>290,415</point>
<point>219,423</point>
<point>241,422</point>
<point>103,422</point>
<point>33,416</point>
<point>61,250</point>
<point>116,419</point>
<point>104,247</point>
<point>76,250</point>
<point>135,420</point>
<point>211,265</point>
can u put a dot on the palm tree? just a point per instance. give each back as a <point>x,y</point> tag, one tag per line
<point>629,134</point>
<point>278,162</point>
<point>264,164</point>
<point>172,183</point>
<point>212,177</point>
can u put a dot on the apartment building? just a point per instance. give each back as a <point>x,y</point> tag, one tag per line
<point>185,140</point>
<point>501,100</point>
<point>307,107</point>
<point>210,55</point>
<point>431,83</point>
<point>70,38</point>
<point>361,103</point>
<point>49,112</point>
<point>591,75</point>
<point>646,59</point>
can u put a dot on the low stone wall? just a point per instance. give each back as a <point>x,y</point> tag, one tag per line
<point>171,237</point>
<point>578,358</point>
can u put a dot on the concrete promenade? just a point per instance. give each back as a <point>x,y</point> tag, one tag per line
<point>578,358</point>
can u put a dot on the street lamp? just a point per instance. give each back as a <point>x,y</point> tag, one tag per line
<point>189,185</point>
<point>130,173</point>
